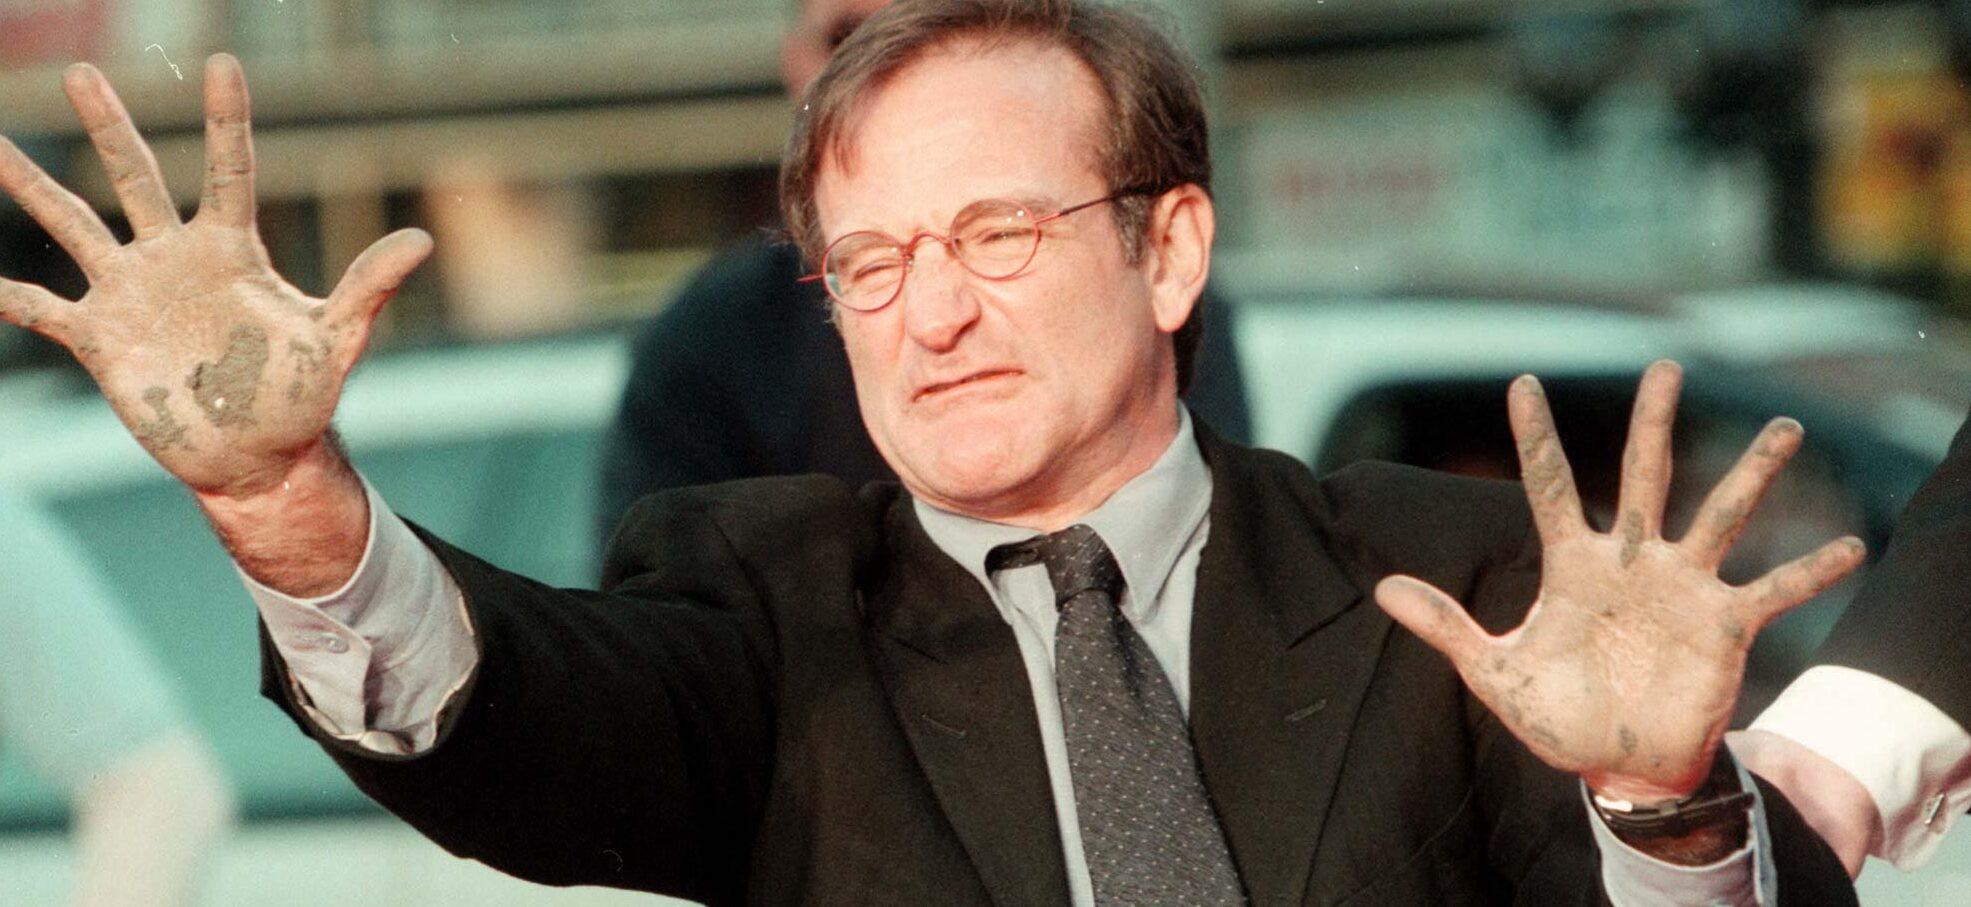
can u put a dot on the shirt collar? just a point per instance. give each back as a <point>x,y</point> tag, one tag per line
<point>1146,523</point>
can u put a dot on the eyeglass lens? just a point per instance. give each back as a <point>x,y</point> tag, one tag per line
<point>993,239</point>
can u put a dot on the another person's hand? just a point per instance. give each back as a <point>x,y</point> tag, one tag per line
<point>224,371</point>
<point>1629,663</point>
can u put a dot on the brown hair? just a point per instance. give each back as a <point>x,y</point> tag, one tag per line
<point>1157,137</point>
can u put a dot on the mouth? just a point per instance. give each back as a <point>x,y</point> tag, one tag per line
<point>931,390</point>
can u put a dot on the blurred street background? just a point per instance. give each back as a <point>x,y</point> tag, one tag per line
<point>1418,199</point>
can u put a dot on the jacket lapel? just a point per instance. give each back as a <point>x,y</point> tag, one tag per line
<point>959,689</point>
<point>1281,656</point>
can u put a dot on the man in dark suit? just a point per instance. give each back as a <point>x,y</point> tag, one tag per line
<point>1083,652</point>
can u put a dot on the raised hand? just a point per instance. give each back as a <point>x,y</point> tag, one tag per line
<point>224,371</point>
<point>1627,667</point>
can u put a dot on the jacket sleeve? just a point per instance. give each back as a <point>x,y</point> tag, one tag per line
<point>620,738</point>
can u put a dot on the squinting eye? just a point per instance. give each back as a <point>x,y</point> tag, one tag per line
<point>1005,234</point>
<point>875,270</point>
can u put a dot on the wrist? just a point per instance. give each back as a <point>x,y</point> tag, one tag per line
<point>1702,825</point>
<point>304,533</point>
<point>1640,793</point>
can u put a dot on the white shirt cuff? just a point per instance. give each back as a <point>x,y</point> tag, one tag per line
<point>1632,878</point>
<point>1914,761</point>
<point>376,661</point>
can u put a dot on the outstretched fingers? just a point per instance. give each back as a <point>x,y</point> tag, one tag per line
<point>1543,468</point>
<point>228,198</point>
<point>1730,504</point>
<point>1802,578</point>
<point>1436,617</point>
<point>68,219</point>
<point>1646,456</point>
<point>132,169</point>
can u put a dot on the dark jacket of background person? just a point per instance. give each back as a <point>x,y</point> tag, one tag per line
<point>744,376</point>
<point>789,694</point>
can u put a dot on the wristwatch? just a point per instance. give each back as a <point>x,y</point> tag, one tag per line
<point>1713,802</point>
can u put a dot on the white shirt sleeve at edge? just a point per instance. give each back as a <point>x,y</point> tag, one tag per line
<point>1632,878</point>
<point>368,662</point>
<point>1913,759</point>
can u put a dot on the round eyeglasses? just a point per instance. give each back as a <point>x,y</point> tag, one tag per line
<point>993,238</point>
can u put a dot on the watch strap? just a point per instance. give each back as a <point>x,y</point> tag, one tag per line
<point>1715,801</point>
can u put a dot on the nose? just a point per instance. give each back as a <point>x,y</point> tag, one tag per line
<point>939,304</point>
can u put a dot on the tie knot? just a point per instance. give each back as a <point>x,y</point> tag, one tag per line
<point>1076,560</point>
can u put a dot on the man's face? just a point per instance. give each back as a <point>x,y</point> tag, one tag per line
<point>1012,398</point>
<point>822,27</point>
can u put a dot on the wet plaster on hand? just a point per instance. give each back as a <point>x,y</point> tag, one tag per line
<point>224,390</point>
<point>310,361</point>
<point>164,432</point>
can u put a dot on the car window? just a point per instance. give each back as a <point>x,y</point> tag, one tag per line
<point>523,501</point>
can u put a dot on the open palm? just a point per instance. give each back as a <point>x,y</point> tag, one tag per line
<point>1629,662</point>
<point>223,370</point>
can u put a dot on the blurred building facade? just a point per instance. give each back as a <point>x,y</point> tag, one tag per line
<point>576,160</point>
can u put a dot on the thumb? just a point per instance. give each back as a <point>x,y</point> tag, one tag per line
<point>1438,618</point>
<point>34,308</point>
<point>375,276</point>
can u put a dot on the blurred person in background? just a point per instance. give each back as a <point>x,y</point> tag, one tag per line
<point>89,710</point>
<point>744,374</point>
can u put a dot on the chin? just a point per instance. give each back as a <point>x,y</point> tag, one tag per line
<point>969,466</point>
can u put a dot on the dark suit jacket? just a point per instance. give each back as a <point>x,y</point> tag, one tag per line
<point>788,694</point>
<point>1911,620</point>
<point>744,376</point>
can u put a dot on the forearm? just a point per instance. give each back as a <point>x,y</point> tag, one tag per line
<point>304,536</point>
<point>145,830</point>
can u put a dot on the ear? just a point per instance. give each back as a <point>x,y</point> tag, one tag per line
<point>1177,253</point>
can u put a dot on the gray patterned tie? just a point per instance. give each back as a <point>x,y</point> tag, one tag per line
<point>1147,828</point>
